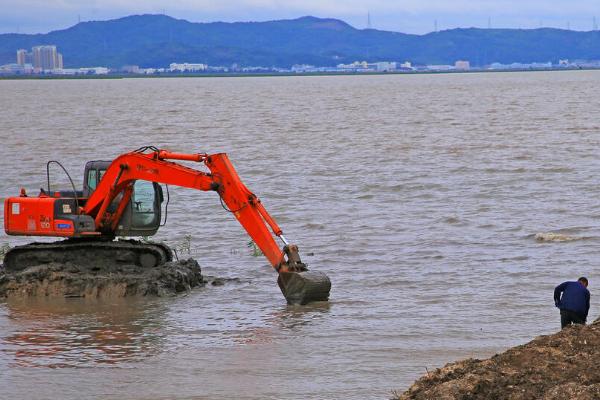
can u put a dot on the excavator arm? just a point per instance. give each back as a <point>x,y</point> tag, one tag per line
<point>297,283</point>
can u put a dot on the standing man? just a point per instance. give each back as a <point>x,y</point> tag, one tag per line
<point>574,303</point>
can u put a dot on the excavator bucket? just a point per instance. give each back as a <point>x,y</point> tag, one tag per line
<point>304,287</point>
<point>298,284</point>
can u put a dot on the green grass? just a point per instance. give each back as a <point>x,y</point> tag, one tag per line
<point>256,252</point>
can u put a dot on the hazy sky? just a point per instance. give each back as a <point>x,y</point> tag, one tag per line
<point>412,16</point>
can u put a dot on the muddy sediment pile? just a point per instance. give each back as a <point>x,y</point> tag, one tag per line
<point>565,365</point>
<point>95,281</point>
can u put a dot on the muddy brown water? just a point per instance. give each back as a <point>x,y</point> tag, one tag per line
<point>420,196</point>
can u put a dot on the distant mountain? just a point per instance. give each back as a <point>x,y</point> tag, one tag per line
<point>157,40</point>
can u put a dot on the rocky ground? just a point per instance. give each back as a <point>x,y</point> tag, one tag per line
<point>91,281</point>
<point>565,365</point>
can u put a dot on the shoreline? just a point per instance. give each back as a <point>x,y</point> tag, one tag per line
<point>556,366</point>
<point>283,74</point>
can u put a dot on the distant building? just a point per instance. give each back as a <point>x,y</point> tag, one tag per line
<point>187,67</point>
<point>94,70</point>
<point>66,71</point>
<point>439,67</point>
<point>520,66</point>
<point>355,66</point>
<point>462,65</point>
<point>46,58</point>
<point>82,71</point>
<point>22,57</point>
<point>547,65</point>
<point>300,68</point>
<point>12,69</point>
<point>363,66</point>
<point>131,69</point>
<point>385,66</point>
<point>586,63</point>
<point>42,58</point>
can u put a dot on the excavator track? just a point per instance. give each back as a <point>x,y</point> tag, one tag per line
<point>104,254</point>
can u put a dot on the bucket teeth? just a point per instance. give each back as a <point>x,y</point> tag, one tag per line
<point>304,287</point>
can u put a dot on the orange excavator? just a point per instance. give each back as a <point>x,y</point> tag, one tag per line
<point>124,197</point>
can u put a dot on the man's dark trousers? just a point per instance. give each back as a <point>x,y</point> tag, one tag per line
<point>568,317</point>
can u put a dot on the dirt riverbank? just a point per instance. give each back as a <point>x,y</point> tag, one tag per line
<point>93,281</point>
<point>565,365</point>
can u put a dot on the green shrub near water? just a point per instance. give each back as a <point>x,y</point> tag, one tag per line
<point>256,252</point>
<point>185,246</point>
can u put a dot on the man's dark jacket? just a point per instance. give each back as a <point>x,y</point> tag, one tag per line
<point>575,297</point>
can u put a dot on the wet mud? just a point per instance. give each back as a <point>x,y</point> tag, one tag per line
<point>101,281</point>
<point>555,237</point>
<point>565,365</point>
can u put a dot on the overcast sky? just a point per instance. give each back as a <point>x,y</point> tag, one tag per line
<point>411,16</point>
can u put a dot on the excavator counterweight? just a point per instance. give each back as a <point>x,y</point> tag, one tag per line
<point>123,198</point>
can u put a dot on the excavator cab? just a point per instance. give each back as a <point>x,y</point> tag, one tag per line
<point>142,216</point>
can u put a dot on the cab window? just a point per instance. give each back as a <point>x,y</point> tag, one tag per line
<point>92,180</point>
<point>143,203</point>
<point>94,177</point>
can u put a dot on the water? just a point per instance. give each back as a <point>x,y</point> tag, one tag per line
<point>420,196</point>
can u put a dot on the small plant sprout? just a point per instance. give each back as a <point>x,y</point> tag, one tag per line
<point>256,252</point>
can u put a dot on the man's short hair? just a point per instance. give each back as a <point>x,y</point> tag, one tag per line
<point>583,280</point>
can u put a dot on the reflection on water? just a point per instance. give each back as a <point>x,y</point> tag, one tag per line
<point>78,333</point>
<point>289,319</point>
<point>293,318</point>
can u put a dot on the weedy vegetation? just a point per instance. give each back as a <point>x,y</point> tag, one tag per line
<point>256,252</point>
<point>184,246</point>
<point>4,248</point>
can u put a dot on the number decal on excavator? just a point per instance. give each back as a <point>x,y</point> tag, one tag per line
<point>44,222</point>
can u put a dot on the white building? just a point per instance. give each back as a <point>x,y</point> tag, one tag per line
<point>82,71</point>
<point>462,65</point>
<point>131,69</point>
<point>66,71</point>
<point>94,70</point>
<point>23,56</point>
<point>385,66</point>
<point>439,67</point>
<point>300,68</point>
<point>355,66</point>
<point>187,67</point>
<point>11,69</point>
<point>45,57</point>
<point>514,66</point>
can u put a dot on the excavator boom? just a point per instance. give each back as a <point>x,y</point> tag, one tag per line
<point>108,202</point>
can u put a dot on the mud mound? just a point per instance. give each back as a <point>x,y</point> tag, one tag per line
<point>92,281</point>
<point>555,237</point>
<point>565,365</point>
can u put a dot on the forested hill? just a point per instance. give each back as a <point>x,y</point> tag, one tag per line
<point>158,40</point>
